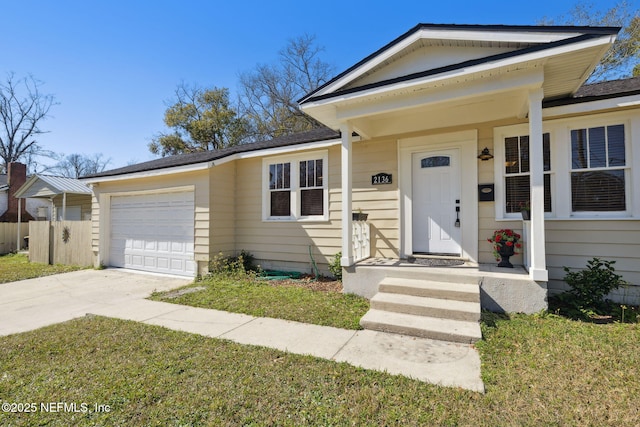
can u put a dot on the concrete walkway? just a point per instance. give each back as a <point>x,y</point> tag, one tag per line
<point>31,304</point>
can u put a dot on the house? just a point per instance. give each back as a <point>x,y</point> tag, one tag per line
<point>439,137</point>
<point>68,199</point>
<point>10,183</point>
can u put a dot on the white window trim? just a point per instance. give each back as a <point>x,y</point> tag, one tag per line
<point>295,189</point>
<point>560,134</point>
<point>626,168</point>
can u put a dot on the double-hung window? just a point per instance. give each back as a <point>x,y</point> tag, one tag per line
<point>517,184</point>
<point>296,187</point>
<point>598,165</point>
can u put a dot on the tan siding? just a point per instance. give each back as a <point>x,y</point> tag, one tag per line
<point>223,194</point>
<point>572,243</point>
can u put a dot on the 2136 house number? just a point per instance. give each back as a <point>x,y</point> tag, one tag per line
<point>381,178</point>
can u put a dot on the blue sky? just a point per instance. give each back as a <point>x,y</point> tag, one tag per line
<point>113,65</point>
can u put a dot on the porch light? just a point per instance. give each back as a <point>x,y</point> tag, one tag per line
<point>485,154</point>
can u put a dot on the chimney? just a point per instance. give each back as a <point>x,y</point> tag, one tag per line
<point>16,177</point>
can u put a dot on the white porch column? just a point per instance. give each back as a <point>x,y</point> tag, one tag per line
<point>538,268</point>
<point>64,206</point>
<point>347,180</point>
<point>18,245</point>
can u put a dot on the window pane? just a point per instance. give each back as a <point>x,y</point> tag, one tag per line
<point>615,137</point>
<point>579,149</point>
<point>279,181</point>
<point>311,175</point>
<point>312,202</point>
<point>517,192</point>
<point>303,174</point>
<point>319,182</point>
<point>547,192</point>
<point>598,191</point>
<point>597,149</point>
<point>435,161</point>
<point>524,154</point>
<point>546,151</point>
<point>280,203</point>
<point>286,182</point>
<point>272,177</point>
<point>511,156</point>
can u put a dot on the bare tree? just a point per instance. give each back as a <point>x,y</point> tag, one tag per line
<point>22,108</point>
<point>79,165</point>
<point>269,94</point>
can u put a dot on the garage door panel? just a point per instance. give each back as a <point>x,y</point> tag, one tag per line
<point>153,232</point>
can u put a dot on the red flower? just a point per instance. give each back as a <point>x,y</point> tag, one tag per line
<point>517,236</point>
<point>498,238</point>
<point>509,232</point>
<point>518,245</point>
<point>509,243</point>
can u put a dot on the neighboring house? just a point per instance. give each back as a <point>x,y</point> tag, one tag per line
<point>404,131</point>
<point>67,199</point>
<point>9,184</point>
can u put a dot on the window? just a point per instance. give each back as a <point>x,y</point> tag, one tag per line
<point>598,163</point>
<point>297,187</point>
<point>517,185</point>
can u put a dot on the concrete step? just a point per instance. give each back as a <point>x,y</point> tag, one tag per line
<point>426,306</point>
<point>433,289</point>
<point>422,326</point>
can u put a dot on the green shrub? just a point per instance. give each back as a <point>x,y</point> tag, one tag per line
<point>590,286</point>
<point>239,265</point>
<point>335,267</point>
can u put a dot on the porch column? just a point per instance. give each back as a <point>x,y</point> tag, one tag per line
<point>64,206</point>
<point>18,245</point>
<point>538,268</point>
<point>347,180</point>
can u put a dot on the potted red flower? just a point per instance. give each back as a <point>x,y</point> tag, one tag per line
<point>505,244</point>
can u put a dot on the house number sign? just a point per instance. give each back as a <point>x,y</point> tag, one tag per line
<point>381,178</point>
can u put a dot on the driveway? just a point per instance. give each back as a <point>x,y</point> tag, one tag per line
<point>34,303</point>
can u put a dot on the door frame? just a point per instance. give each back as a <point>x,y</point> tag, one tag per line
<point>467,144</point>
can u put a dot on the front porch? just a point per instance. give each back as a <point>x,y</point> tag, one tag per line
<point>501,289</point>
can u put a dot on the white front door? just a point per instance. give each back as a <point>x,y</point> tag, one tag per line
<point>436,202</point>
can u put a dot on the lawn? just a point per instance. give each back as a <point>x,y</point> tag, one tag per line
<point>14,267</point>
<point>538,370</point>
<point>291,301</point>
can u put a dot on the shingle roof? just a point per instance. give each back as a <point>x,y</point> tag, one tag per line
<point>319,134</point>
<point>600,90</point>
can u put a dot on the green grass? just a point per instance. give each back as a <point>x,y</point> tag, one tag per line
<point>14,267</point>
<point>538,371</point>
<point>240,294</point>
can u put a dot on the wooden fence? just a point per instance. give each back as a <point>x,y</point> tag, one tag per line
<point>9,236</point>
<point>60,242</point>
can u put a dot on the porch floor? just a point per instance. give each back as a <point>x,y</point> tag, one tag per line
<point>508,290</point>
<point>468,268</point>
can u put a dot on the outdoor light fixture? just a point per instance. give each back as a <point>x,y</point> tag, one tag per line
<point>485,154</point>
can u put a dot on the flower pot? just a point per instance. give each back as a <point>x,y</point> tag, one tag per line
<point>505,253</point>
<point>359,216</point>
<point>526,214</point>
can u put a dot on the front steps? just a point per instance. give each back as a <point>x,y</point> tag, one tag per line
<point>427,308</point>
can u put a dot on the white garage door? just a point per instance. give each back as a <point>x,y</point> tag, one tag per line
<point>153,232</point>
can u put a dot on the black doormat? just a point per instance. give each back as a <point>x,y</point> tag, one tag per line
<point>435,262</point>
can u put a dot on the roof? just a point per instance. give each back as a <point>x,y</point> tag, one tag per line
<point>315,135</point>
<point>47,186</point>
<point>582,33</point>
<point>600,90</point>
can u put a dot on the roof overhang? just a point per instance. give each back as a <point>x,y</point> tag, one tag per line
<point>482,89</point>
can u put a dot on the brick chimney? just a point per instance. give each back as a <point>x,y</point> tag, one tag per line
<point>16,177</point>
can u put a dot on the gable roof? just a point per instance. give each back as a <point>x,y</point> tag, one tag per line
<point>519,39</point>
<point>315,135</point>
<point>49,186</point>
